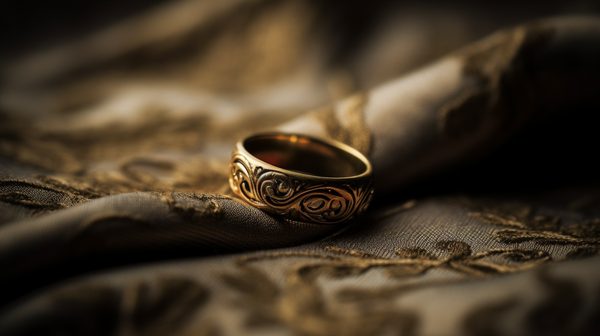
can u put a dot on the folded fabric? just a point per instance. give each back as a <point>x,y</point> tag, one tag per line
<point>116,215</point>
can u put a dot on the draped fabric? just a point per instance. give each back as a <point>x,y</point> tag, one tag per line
<point>116,216</point>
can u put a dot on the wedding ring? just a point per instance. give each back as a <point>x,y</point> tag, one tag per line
<point>301,178</point>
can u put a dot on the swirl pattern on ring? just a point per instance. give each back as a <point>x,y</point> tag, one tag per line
<point>297,199</point>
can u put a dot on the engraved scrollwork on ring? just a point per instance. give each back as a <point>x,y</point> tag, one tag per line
<point>319,202</point>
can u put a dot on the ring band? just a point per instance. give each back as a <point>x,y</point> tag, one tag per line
<point>301,178</point>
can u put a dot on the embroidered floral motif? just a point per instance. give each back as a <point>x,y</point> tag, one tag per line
<point>300,304</point>
<point>521,224</point>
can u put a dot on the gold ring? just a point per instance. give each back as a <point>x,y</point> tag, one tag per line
<point>301,178</point>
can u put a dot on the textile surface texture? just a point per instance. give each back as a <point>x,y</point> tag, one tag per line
<point>116,216</point>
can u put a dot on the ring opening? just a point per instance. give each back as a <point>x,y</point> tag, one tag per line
<point>304,155</point>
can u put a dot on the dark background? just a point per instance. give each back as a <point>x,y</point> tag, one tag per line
<point>30,25</point>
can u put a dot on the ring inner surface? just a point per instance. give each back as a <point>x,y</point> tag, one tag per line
<point>304,155</point>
